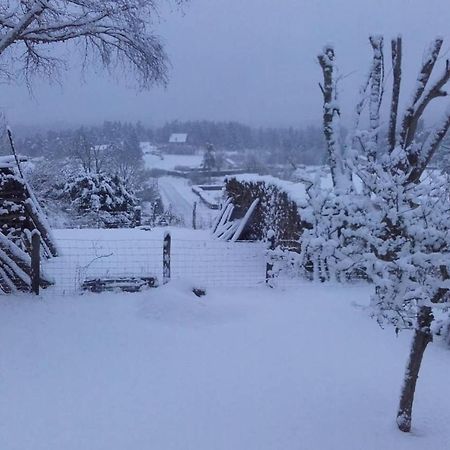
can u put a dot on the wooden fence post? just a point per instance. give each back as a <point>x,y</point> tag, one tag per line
<point>166,257</point>
<point>194,216</point>
<point>35,261</point>
<point>137,217</point>
<point>271,246</point>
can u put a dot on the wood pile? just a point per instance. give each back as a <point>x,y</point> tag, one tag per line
<point>20,214</point>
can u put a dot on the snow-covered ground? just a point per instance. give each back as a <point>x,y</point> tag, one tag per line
<point>249,369</point>
<point>172,162</point>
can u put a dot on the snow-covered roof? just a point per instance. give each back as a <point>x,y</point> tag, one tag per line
<point>178,138</point>
<point>101,147</point>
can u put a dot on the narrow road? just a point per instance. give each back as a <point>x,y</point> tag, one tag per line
<point>173,192</point>
<point>177,193</point>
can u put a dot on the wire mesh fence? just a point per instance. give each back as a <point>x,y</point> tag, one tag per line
<point>219,263</point>
<point>205,263</point>
<point>85,260</point>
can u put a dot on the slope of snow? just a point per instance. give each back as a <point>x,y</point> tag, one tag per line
<point>238,369</point>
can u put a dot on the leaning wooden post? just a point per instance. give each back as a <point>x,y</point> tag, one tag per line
<point>35,261</point>
<point>271,246</point>
<point>166,257</point>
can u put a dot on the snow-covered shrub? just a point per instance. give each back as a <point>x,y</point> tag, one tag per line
<point>335,245</point>
<point>102,200</point>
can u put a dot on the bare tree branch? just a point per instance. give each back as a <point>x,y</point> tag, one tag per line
<point>114,31</point>
<point>429,148</point>
<point>396,47</point>
<point>434,92</point>
<point>421,83</point>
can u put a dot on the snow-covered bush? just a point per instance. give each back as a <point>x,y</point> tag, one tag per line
<point>335,245</point>
<point>102,201</point>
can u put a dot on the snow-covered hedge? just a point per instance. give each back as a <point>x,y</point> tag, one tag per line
<point>276,211</point>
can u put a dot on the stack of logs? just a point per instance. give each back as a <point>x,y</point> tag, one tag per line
<point>20,214</point>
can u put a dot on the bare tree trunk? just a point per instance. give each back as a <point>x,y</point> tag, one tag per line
<point>422,337</point>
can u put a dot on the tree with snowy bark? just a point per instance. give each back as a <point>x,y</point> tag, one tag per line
<point>403,234</point>
<point>209,158</point>
<point>89,156</point>
<point>125,157</point>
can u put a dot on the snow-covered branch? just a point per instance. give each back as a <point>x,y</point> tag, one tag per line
<point>113,31</point>
<point>396,48</point>
<point>376,92</point>
<point>429,147</point>
<point>426,69</point>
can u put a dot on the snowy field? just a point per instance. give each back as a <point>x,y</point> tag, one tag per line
<point>172,162</point>
<point>240,369</point>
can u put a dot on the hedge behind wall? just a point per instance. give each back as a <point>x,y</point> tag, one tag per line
<point>275,210</point>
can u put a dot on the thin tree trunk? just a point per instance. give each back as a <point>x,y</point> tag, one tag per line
<point>330,109</point>
<point>422,337</point>
<point>396,46</point>
<point>376,94</point>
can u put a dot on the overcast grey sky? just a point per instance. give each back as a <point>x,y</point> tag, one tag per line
<point>247,60</point>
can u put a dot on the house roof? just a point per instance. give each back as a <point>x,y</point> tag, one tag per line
<point>178,138</point>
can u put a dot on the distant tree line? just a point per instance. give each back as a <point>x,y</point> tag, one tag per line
<point>293,145</point>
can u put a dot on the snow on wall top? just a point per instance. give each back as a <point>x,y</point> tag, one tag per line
<point>178,138</point>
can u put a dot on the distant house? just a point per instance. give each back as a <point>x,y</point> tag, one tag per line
<point>178,138</point>
<point>179,144</point>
